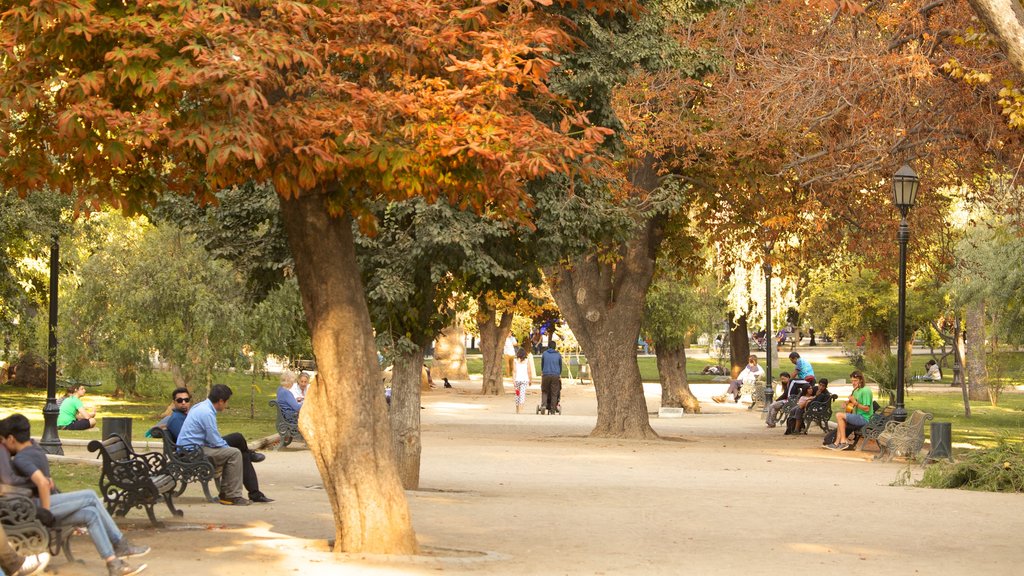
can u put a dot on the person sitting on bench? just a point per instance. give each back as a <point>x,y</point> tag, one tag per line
<point>196,427</point>
<point>67,509</point>
<point>790,388</point>
<point>814,394</point>
<point>751,372</point>
<point>859,408</point>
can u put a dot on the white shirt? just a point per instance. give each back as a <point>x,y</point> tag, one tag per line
<point>748,376</point>
<point>522,370</point>
<point>510,346</point>
<point>297,392</point>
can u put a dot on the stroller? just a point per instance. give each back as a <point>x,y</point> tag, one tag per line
<point>542,407</point>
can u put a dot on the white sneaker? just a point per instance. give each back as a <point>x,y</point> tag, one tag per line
<point>33,564</point>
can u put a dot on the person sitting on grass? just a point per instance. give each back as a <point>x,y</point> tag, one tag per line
<point>859,408</point>
<point>72,508</point>
<point>73,414</point>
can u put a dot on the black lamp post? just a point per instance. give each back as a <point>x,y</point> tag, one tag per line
<point>904,193</point>
<point>50,442</point>
<point>769,335</point>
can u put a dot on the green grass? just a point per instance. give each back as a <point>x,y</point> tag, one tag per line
<point>987,425</point>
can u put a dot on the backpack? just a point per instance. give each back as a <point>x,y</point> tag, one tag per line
<point>830,437</point>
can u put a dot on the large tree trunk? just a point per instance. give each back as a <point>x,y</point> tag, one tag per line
<point>675,388</point>
<point>450,354</point>
<point>493,332</point>
<point>405,416</point>
<point>739,343</point>
<point>344,418</point>
<point>603,301</point>
<point>977,371</point>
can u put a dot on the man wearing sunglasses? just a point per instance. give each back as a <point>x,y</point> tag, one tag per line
<point>198,427</point>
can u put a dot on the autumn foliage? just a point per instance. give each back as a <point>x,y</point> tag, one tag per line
<point>112,101</point>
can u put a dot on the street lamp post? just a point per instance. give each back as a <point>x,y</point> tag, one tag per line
<point>50,441</point>
<point>904,194</point>
<point>769,335</point>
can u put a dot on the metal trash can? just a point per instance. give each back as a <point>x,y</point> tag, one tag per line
<point>121,426</point>
<point>941,441</point>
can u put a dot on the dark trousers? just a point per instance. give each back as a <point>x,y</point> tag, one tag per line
<point>249,480</point>
<point>550,392</point>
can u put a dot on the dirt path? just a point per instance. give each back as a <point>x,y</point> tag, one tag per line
<point>527,494</point>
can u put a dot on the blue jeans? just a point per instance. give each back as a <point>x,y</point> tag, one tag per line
<point>84,507</point>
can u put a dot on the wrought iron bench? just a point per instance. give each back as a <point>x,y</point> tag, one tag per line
<point>902,438</point>
<point>187,465</point>
<point>755,391</point>
<point>818,413</point>
<point>876,424</point>
<point>25,533</point>
<point>18,516</point>
<point>287,428</point>
<point>783,413</point>
<point>131,480</point>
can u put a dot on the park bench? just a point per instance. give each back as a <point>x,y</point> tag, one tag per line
<point>287,428</point>
<point>818,413</point>
<point>25,533</point>
<point>875,426</point>
<point>783,414</point>
<point>902,438</point>
<point>131,480</point>
<point>187,465</point>
<point>755,391</point>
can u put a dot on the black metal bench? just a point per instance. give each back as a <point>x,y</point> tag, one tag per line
<point>187,465</point>
<point>818,413</point>
<point>25,533</point>
<point>131,480</point>
<point>287,428</point>
<point>875,426</point>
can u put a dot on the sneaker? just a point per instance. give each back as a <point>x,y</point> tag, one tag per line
<point>33,564</point>
<point>239,501</point>
<point>121,568</point>
<point>844,446</point>
<point>125,549</point>
<point>718,399</point>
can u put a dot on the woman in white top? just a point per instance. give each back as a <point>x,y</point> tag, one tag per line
<point>748,376</point>
<point>522,373</point>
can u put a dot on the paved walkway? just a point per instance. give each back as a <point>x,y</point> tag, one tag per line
<point>522,494</point>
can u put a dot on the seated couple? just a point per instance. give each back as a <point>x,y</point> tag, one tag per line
<point>196,427</point>
<point>859,408</point>
<point>791,387</point>
<point>815,394</point>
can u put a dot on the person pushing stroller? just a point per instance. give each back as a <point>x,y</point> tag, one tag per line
<point>550,382</point>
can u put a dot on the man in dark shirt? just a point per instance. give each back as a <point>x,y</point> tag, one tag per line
<point>551,381</point>
<point>80,507</point>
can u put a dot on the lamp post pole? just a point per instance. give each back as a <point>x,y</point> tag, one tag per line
<point>902,236</point>
<point>769,337</point>
<point>50,441</point>
<point>904,194</point>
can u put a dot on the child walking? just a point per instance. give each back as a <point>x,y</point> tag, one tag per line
<point>521,375</point>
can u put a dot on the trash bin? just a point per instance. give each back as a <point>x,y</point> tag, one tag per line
<point>121,426</point>
<point>942,441</point>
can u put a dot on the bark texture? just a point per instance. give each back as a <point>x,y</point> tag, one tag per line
<point>450,355</point>
<point>1005,20</point>
<point>675,387</point>
<point>407,379</point>
<point>494,329</point>
<point>877,345</point>
<point>739,343</point>
<point>345,418</point>
<point>603,301</point>
<point>977,371</point>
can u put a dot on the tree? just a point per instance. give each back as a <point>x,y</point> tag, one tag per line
<point>674,310</point>
<point>334,104</point>
<point>154,288</point>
